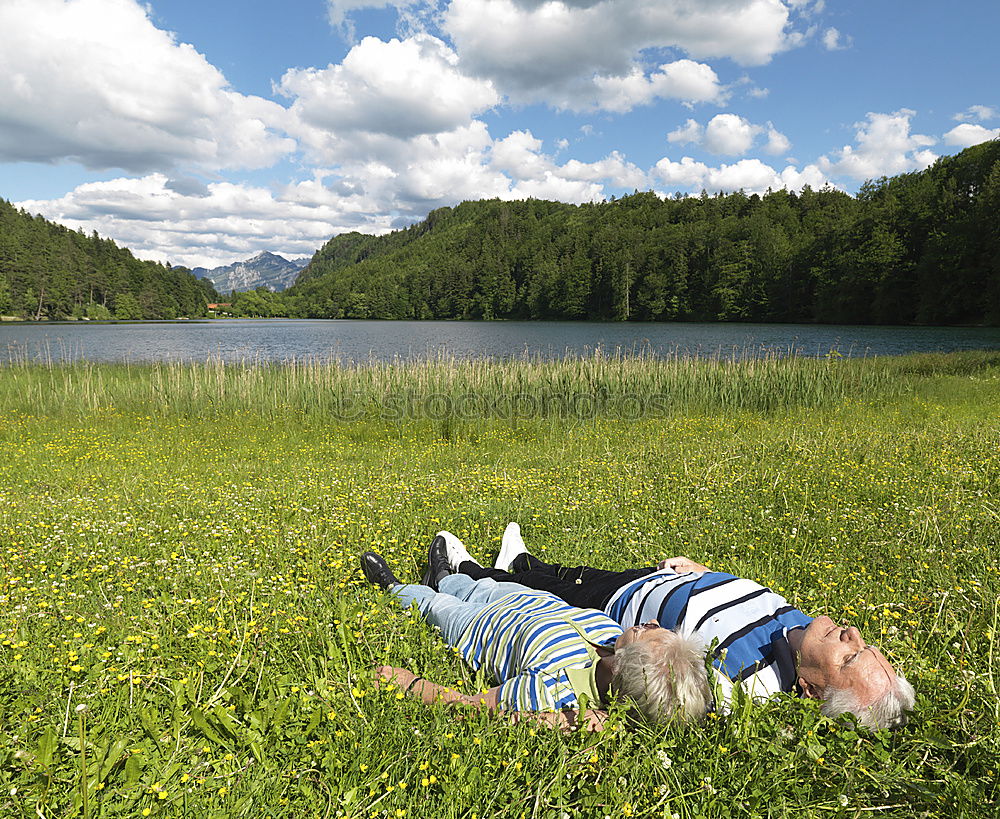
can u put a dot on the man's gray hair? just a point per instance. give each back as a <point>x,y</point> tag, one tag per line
<point>664,677</point>
<point>888,711</point>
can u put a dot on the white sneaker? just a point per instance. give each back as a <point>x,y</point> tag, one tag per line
<point>511,546</point>
<point>457,553</point>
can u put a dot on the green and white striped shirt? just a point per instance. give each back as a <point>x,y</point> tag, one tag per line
<point>538,648</point>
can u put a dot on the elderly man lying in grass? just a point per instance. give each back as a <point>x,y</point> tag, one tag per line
<point>552,660</point>
<point>757,640</point>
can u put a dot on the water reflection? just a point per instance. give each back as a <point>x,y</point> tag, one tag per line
<point>361,341</point>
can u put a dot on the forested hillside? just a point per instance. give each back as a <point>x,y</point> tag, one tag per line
<point>50,271</point>
<point>916,248</point>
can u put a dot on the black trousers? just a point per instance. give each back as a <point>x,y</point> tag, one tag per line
<point>580,586</point>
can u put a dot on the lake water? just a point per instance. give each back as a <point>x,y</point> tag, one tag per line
<point>359,341</point>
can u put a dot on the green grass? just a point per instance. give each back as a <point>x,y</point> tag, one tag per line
<point>178,552</point>
<point>621,386</point>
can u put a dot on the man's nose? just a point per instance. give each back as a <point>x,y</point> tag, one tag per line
<point>852,635</point>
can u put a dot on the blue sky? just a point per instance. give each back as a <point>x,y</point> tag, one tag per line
<point>203,132</point>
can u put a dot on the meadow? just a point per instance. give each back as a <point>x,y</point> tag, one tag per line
<point>184,630</point>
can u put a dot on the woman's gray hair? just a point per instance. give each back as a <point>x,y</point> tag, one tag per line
<point>888,711</point>
<point>664,677</point>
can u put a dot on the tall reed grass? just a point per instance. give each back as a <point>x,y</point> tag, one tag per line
<point>446,387</point>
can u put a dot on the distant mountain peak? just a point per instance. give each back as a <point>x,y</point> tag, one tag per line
<point>263,269</point>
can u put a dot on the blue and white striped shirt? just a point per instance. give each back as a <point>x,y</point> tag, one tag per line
<point>744,625</point>
<point>538,647</point>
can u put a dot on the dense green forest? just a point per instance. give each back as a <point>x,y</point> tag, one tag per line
<point>920,247</point>
<point>916,248</point>
<point>50,271</point>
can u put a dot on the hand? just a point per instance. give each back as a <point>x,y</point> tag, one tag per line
<point>593,720</point>
<point>681,565</point>
<point>564,721</point>
<point>387,673</point>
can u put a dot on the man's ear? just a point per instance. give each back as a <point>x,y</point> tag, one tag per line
<point>809,690</point>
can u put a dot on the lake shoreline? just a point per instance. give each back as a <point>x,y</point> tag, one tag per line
<point>584,322</point>
<point>360,341</point>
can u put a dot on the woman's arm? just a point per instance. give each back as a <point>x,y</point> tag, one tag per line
<point>430,693</point>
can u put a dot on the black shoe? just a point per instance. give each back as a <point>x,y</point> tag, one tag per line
<point>521,563</point>
<point>377,571</point>
<point>437,563</point>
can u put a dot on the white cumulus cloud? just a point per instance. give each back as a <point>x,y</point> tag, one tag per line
<point>687,174</point>
<point>580,54</point>
<point>226,223</point>
<point>683,80</point>
<point>966,135</point>
<point>95,82</point>
<point>613,170</point>
<point>728,134</point>
<point>777,142</point>
<point>834,40</point>
<point>520,155</point>
<point>977,113</point>
<point>749,175</point>
<point>746,174</point>
<point>885,147</point>
<point>444,169</point>
<point>690,133</point>
<point>401,88</point>
<point>554,186</point>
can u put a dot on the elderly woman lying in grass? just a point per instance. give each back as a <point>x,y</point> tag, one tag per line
<point>551,659</point>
